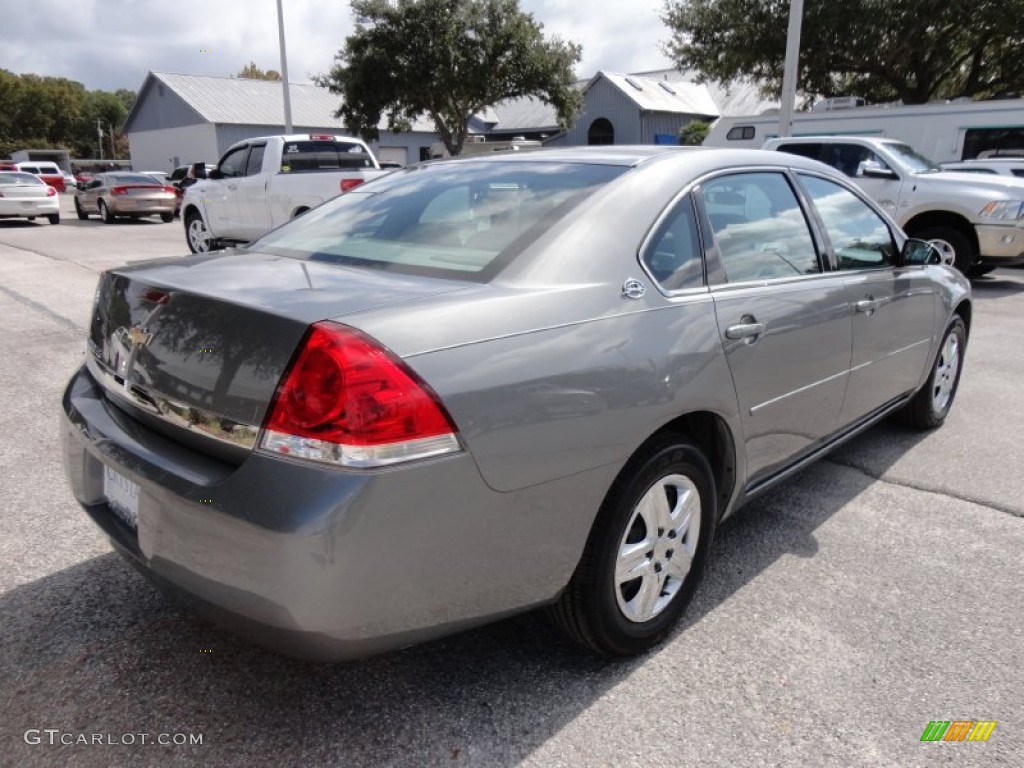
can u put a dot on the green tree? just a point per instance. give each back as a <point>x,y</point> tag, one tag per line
<point>883,50</point>
<point>55,112</point>
<point>447,60</point>
<point>253,72</point>
<point>693,133</point>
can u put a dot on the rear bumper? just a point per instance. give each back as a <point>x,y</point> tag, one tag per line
<point>1000,245</point>
<point>318,562</point>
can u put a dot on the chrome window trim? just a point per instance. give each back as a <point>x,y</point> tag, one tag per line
<point>166,409</point>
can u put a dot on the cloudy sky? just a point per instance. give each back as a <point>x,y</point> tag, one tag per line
<point>110,44</point>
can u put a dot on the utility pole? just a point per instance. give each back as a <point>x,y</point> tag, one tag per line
<point>99,134</point>
<point>792,69</point>
<point>284,71</point>
<point>113,148</point>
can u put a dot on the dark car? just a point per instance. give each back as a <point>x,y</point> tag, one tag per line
<point>474,388</point>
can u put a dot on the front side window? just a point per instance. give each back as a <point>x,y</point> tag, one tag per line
<point>460,220</point>
<point>673,255</point>
<point>860,236</point>
<point>759,227</point>
<point>255,164</point>
<point>233,164</point>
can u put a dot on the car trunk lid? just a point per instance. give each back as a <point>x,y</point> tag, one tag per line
<point>195,348</point>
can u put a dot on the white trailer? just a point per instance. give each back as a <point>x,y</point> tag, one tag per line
<point>957,130</point>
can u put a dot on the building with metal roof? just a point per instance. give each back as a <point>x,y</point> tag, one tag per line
<point>179,119</point>
<point>636,109</point>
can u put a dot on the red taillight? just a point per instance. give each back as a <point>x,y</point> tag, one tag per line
<point>170,190</point>
<point>346,400</point>
<point>347,184</point>
<point>119,190</point>
<point>50,191</point>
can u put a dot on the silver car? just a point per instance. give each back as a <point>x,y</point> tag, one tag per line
<point>478,387</point>
<point>123,194</point>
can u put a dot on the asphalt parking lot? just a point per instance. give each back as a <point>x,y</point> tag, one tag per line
<point>877,591</point>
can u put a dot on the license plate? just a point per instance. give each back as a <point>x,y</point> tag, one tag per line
<point>122,496</point>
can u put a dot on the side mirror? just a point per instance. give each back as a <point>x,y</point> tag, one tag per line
<point>199,170</point>
<point>918,253</point>
<point>873,170</point>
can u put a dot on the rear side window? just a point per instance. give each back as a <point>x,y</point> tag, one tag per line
<point>463,220</point>
<point>760,230</point>
<point>305,156</point>
<point>740,133</point>
<point>811,150</point>
<point>673,255</point>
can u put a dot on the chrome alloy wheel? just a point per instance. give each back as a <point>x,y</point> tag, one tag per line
<point>946,368</point>
<point>198,235</point>
<point>946,251</point>
<point>657,548</point>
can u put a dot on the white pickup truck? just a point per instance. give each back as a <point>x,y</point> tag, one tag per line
<point>976,221</point>
<point>265,181</point>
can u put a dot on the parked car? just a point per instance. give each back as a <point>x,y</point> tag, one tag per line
<point>26,196</point>
<point>976,221</point>
<point>124,194</point>
<point>8,167</point>
<point>159,176</point>
<point>183,177</point>
<point>472,388</point>
<point>265,181</point>
<point>997,166</point>
<point>48,172</point>
<point>70,183</point>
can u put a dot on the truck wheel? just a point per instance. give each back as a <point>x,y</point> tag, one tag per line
<point>196,233</point>
<point>80,211</point>
<point>955,248</point>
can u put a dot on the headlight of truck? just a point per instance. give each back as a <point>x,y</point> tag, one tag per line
<point>1003,209</point>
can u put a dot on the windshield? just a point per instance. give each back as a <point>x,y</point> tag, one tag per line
<point>464,219</point>
<point>911,159</point>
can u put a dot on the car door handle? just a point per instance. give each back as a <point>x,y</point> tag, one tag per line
<point>744,331</point>
<point>867,306</point>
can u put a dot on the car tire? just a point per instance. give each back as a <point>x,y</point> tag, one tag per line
<point>646,553</point>
<point>105,214</point>
<point>80,211</point>
<point>166,218</point>
<point>932,402</point>
<point>53,218</point>
<point>980,269</point>
<point>952,244</point>
<point>196,233</point>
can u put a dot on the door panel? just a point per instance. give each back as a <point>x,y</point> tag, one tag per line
<point>784,324</point>
<point>893,308</point>
<point>790,380</point>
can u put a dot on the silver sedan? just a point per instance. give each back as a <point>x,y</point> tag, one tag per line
<point>482,386</point>
<point>122,194</point>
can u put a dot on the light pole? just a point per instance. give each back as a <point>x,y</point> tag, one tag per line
<point>284,71</point>
<point>791,70</point>
<point>99,135</point>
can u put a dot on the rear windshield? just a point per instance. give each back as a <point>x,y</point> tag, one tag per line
<point>133,178</point>
<point>304,156</point>
<point>464,220</point>
<point>20,178</point>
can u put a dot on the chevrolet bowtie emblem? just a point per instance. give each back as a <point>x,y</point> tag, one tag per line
<point>138,336</point>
